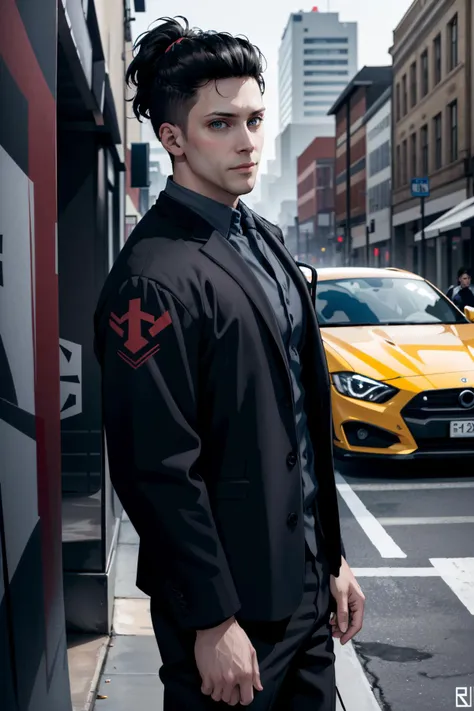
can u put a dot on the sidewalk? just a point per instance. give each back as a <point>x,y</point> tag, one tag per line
<point>129,677</point>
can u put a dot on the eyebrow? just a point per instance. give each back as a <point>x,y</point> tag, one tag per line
<point>227,114</point>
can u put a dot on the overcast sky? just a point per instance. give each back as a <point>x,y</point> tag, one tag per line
<point>263,23</point>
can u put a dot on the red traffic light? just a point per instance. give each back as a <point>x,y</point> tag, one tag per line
<point>340,239</point>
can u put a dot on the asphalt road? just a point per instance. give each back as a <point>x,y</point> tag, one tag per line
<point>409,536</point>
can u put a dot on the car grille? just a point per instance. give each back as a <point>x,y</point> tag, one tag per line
<point>444,402</point>
<point>428,415</point>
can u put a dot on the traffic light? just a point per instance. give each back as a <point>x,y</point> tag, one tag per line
<point>339,243</point>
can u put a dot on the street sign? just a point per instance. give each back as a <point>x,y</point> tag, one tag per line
<point>420,187</point>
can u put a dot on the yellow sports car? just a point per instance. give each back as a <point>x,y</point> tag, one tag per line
<point>401,360</point>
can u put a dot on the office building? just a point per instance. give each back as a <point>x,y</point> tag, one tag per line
<point>317,58</point>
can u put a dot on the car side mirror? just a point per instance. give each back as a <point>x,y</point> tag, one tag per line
<point>311,276</point>
<point>469,313</point>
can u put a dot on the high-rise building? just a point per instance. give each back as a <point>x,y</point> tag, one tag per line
<point>317,59</point>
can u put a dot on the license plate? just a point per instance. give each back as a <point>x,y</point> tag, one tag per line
<point>462,428</point>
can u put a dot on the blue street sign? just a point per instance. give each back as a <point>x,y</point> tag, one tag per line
<point>420,187</point>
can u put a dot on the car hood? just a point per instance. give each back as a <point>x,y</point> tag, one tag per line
<point>388,352</point>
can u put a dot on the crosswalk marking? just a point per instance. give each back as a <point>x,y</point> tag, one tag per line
<point>367,521</point>
<point>395,572</point>
<point>424,520</point>
<point>458,573</point>
<point>415,486</point>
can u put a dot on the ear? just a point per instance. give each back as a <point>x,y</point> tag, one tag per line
<point>172,139</point>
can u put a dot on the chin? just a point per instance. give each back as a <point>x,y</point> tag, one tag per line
<point>245,186</point>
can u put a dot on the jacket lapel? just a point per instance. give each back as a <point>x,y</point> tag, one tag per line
<point>216,247</point>
<point>222,253</point>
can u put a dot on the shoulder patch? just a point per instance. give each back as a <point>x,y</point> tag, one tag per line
<point>137,348</point>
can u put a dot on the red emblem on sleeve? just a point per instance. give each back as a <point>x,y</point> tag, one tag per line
<point>138,348</point>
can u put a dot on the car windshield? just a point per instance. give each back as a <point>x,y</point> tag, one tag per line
<point>382,302</point>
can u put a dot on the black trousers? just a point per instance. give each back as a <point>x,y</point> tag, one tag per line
<point>296,656</point>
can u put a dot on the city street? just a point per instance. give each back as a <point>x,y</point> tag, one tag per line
<point>409,536</point>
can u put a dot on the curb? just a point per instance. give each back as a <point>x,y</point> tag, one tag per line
<point>353,688</point>
<point>94,687</point>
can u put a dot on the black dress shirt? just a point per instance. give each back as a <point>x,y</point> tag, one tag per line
<point>238,226</point>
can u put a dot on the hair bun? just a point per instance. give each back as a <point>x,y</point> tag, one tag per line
<point>149,49</point>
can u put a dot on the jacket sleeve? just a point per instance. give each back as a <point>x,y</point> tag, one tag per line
<point>149,346</point>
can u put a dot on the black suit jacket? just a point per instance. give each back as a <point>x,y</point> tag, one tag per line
<point>199,422</point>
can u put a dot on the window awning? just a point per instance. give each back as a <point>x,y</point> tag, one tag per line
<point>453,219</point>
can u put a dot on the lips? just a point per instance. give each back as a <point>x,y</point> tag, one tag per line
<point>244,165</point>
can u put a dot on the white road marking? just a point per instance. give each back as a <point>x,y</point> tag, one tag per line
<point>367,521</point>
<point>352,683</point>
<point>458,573</point>
<point>395,572</point>
<point>424,520</point>
<point>415,486</point>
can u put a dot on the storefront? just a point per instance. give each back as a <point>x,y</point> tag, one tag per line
<point>448,244</point>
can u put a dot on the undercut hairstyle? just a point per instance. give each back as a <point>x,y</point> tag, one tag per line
<point>172,62</point>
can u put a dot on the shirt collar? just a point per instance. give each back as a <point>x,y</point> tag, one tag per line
<point>221,217</point>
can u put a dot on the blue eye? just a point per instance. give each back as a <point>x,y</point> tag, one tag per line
<point>213,124</point>
<point>259,119</point>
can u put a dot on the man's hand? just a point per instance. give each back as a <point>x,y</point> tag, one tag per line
<point>227,663</point>
<point>350,604</point>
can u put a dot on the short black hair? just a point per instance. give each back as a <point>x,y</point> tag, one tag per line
<point>462,271</point>
<point>167,74</point>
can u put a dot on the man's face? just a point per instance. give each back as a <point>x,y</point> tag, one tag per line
<point>465,281</point>
<point>223,142</point>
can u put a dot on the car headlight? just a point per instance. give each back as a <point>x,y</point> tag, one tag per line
<point>360,387</point>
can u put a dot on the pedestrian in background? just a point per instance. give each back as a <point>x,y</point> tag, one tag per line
<point>462,294</point>
<point>217,406</point>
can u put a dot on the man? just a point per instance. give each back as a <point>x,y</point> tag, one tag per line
<point>217,404</point>
<point>463,294</point>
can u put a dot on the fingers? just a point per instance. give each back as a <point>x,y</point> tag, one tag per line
<point>246,692</point>
<point>217,693</point>
<point>235,696</point>
<point>229,687</point>
<point>342,615</point>
<point>256,672</point>
<point>207,687</point>
<point>357,619</point>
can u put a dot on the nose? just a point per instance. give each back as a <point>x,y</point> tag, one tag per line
<point>245,141</point>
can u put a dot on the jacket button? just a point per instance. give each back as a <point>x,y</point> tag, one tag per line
<point>291,460</point>
<point>292,519</point>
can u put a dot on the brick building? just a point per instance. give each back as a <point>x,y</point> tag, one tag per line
<point>350,163</point>
<point>315,168</point>
<point>432,133</point>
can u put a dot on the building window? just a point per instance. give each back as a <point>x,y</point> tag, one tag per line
<point>453,131</point>
<point>397,100</point>
<point>413,156</point>
<point>297,18</point>
<point>424,150</point>
<point>326,40</point>
<point>324,62</point>
<point>323,51</point>
<point>404,163</point>
<point>404,95</point>
<point>453,43</point>
<point>424,73</point>
<point>438,138</point>
<point>398,168</point>
<point>437,60</point>
<point>413,87</point>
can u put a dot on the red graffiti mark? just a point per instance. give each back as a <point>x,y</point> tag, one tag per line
<point>136,341</point>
